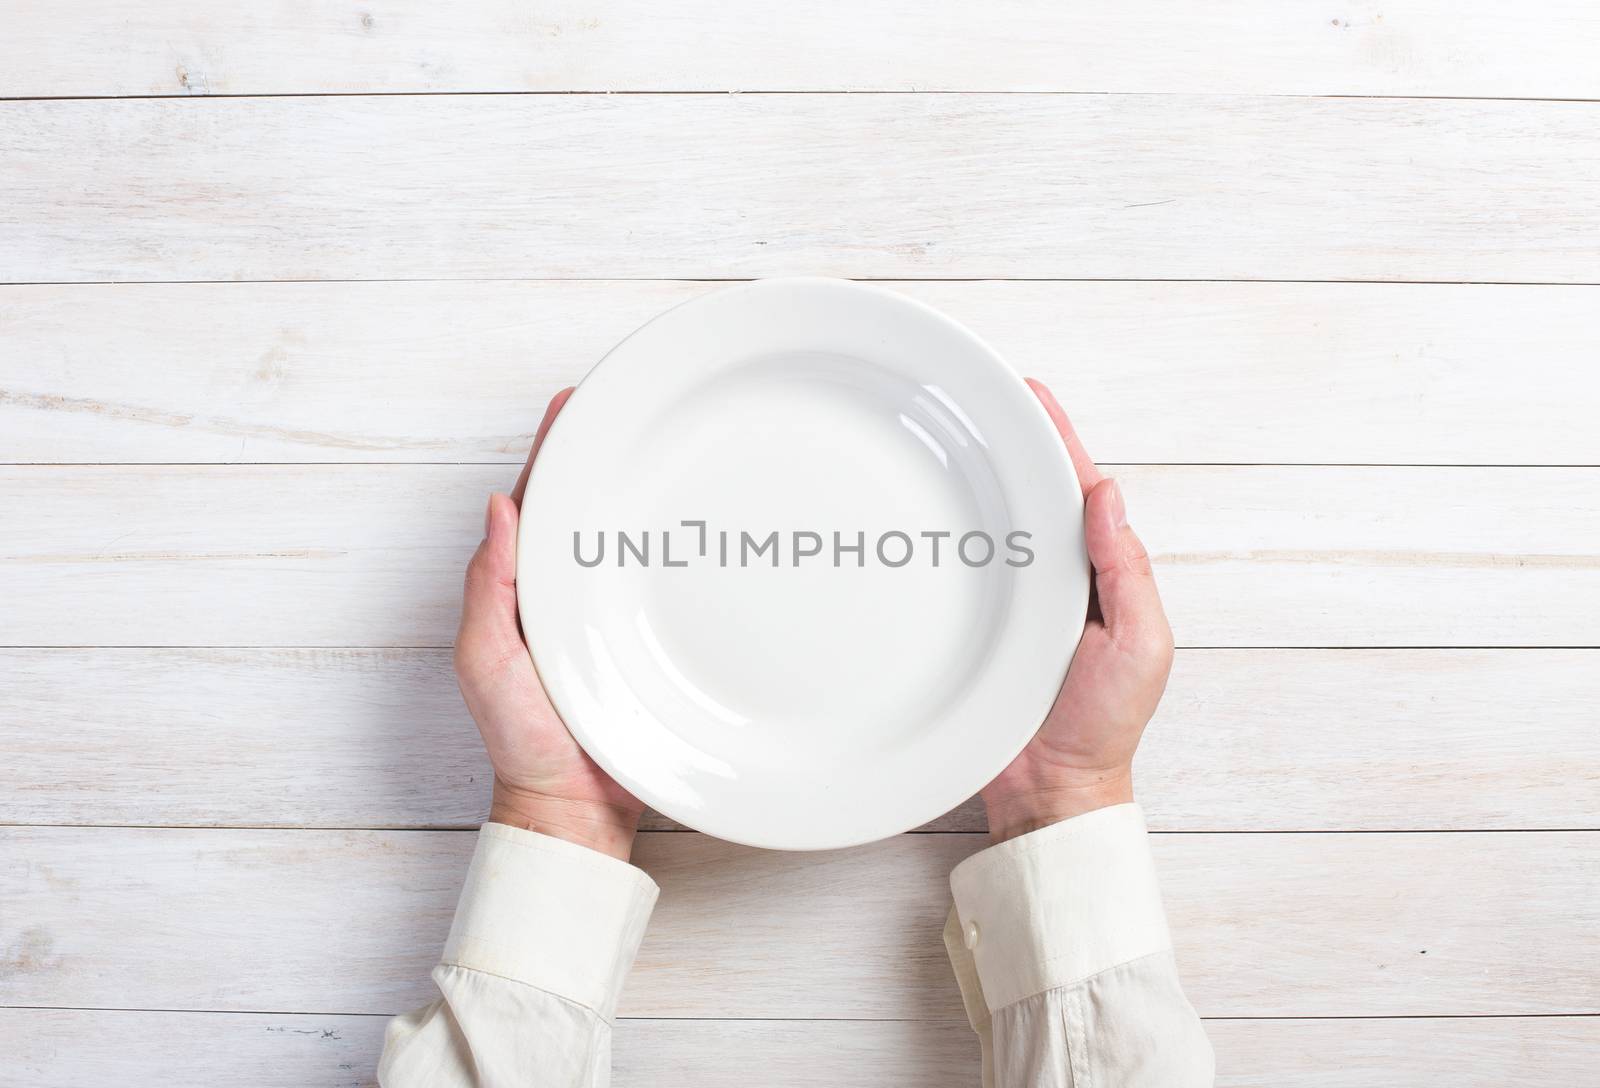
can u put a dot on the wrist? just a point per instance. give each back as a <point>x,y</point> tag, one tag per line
<point>596,825</point>
<point>1017,812</point>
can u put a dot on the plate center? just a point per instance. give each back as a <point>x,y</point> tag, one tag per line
<point>824,560</point>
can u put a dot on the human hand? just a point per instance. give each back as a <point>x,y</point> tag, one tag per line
<point>542,780</point>
<point>1082,757</point>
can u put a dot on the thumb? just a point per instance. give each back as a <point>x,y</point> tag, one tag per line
<point>1123,580</point>
<point>489,635</point>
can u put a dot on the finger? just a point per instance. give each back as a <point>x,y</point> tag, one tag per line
<point>1124,582</point>
<point>550,413</point>
<point>489,634</point>
<point>1088,474</point>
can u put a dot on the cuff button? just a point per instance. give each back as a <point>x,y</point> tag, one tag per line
<point>969,936</point>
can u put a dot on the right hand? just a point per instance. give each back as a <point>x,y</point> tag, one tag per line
<point>1082,757</point>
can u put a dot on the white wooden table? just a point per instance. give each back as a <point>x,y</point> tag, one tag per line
<point>287,285</point>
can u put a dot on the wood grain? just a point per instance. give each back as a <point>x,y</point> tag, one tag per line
<point>67,1048</point>
<point>341,921</point>
<point>372,555</point>
<point>1368,740</point>
<point>1410,47</point>
<point>693,186</point>
<point>1469,1053</point>
<point>1227,373</point>
<point>516,237</point>
<point>1372,556</point>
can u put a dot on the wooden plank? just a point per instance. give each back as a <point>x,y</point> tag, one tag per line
<point>1404,47</point>
<point>67,1048</point>
<point>267,738</point>
<point>1367,740</point>
<point>372,555</point>
<point>1227,373</point>
<point>1465,1053</point>
<point>340,921</point>
<point>694,186</point>
<point>311,556</point>
<point>1371,556</point>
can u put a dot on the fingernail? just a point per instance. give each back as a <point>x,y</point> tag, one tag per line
<point>488,516</point>
<point>1119,509</point>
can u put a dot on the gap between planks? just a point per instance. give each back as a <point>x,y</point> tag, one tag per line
<point>954,279</point>
<point>778,92</point>
<point>663,826</point>
<point>808,1019</point>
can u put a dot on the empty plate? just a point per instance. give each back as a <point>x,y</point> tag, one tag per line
<point>801,563</point>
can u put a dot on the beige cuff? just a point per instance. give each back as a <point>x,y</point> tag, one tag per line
<point>971,994</point>
<point>1058,905</point>
<point>558,916</point>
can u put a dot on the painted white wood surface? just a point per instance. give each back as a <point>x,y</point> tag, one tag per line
<point>1400,47</point>
<point>551,205</point>
<point>1368,740</point>
<point>351,921</point>
<point>918,186</point>
<point>70,1048</point>
<point>1229,373</point>
<point>372,555</point>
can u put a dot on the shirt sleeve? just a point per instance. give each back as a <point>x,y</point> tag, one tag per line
<point>543,936</point>
<point>1060,946</point>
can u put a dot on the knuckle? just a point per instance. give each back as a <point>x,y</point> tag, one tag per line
<point>1135,557</point>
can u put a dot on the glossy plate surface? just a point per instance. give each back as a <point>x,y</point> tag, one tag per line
<point>732,580</point>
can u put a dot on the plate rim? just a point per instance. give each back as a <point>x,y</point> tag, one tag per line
<point>592,742</point>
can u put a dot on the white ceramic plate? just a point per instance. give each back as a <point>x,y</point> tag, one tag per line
<point>832,698</point>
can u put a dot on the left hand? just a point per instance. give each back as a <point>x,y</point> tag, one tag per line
<point>542,780</point>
